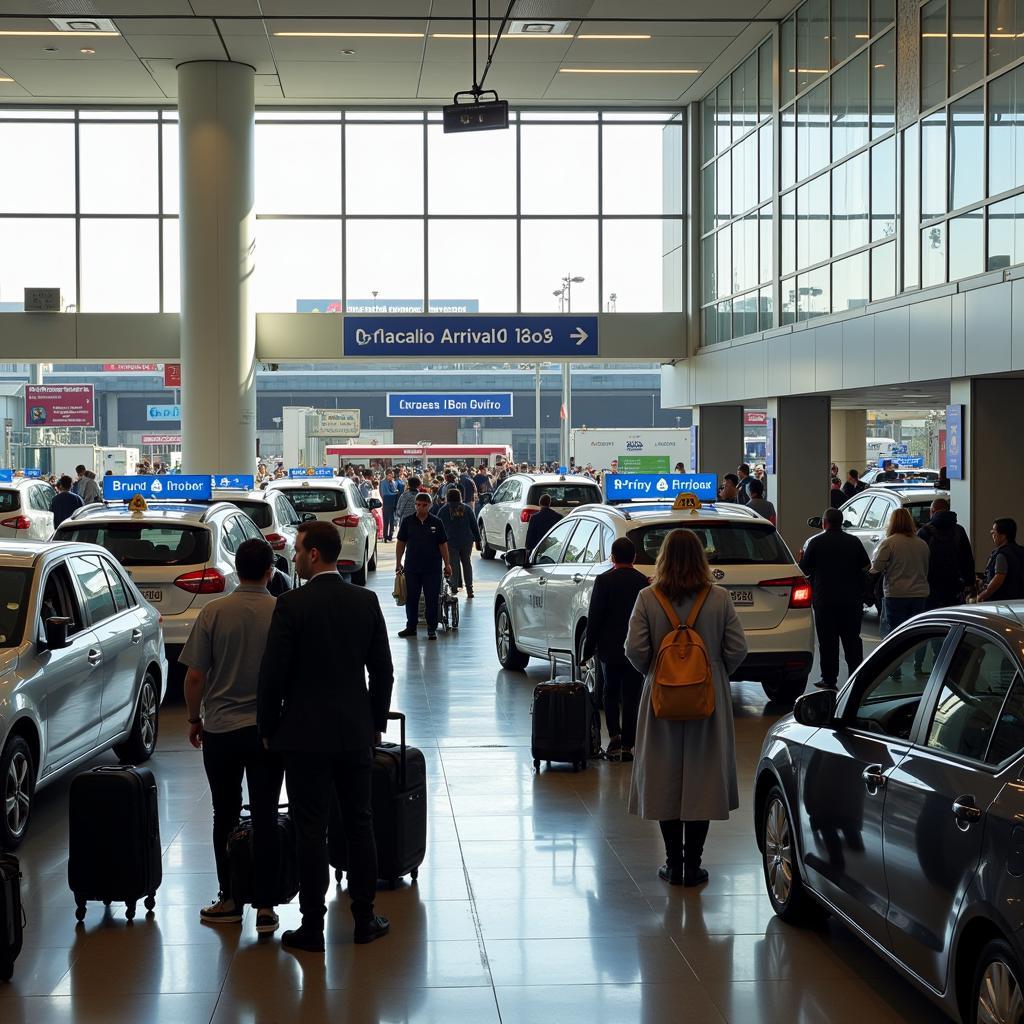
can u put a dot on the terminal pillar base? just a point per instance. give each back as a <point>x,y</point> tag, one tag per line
<point>849,440</point>
<point>798,486</point>
<point>719,439</point>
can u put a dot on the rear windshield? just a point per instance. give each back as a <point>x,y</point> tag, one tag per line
<point>14,588</point>
<point>258,511</point>
<point>144,543</point>
<point>10,501</point>
<point>725,543</point>
<point>920,512</point>
<point>565,495</point>
<point>317,499</point>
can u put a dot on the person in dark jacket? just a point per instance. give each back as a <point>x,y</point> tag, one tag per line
<point>836,564</point>
<point>835,495</point>
<point>65,501</point>
<point>951,559</point>
<point>390,489</point>
<point>1004,574</point>
<point>541,521</point>
<point>611,605</point>
<point>467,485</point>
<point>854,484</point>
<point>320,713</point>
<point>463,533</point>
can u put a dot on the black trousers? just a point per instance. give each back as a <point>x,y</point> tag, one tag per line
<point>311,780</point>
<point>462,565</point>
<point>429,585</point>
<point>622,688</point>
<point>835,624</point>
<point>389,519</point>
<point>227,756</point>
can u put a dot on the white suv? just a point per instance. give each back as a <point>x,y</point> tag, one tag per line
<point>505,519</point>
<point>25,509</point>
<point>337,500</point>
<point>543,600</point>
<point>273,513</point>
<point>180,555</point>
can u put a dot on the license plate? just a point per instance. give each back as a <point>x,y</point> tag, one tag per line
<point>153,596</point>
<point>743,597</point>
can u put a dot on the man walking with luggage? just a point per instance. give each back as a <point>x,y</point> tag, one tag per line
<point>423,546</point>
<point>223,655</point>
<point>836,563</point>
<point>611,605</point>
<point>326,714</point>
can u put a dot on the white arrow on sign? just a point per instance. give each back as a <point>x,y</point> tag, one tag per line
<point>580,336</point>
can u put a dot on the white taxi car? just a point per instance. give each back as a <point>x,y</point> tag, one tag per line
<point>337,500</point>
<point>180,555</point>
<point>504,520</point>
<point>272,512</point>
<point>25,509</point>
<point>542,601</point>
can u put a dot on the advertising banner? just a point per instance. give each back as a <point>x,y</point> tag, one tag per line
<point>955,442</point>
<point>755,419</point>
<point>154,488</point>
<point>339,422</point>
<point>310,471</point>
<point>161,439</point>
<point>439,403</point>
<point>172,375</point>
<point>387,306</point>
<point>769,445</point>
<point>634,486</point>
<point>642,464</point>
<point>234,481</point>
<point>131,367</point>
<point>59,405</point>
<point>158,413</point>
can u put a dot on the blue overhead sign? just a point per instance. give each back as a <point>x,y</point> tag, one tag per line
<point>157,488</point>
<point>634,486</point>
<point>439,403</point>
<point>501,337</point>
<point>310,471</point>
<point>159,413</point>
<point>234,481</point>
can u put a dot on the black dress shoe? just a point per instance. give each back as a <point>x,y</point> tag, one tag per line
<point>694,876</point>
<point>305,939</point>
<point>407,632</point>
<point>368,931</point>
<point>674,876</point>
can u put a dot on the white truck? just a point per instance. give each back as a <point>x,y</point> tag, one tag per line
<point>119,461</point>
<point>640,450</point>
<point>67,457</point>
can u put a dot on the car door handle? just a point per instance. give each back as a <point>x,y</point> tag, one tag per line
<point>136,636</point>
<point>577,577</point>
<point>875,537</point>
<point>872,777</point>
<point>95,657</point>
<point>966,812</point>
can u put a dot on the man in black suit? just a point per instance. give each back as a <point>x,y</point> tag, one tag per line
<point>611,605</point>
<point>316,709</point>
<point>540,522</point>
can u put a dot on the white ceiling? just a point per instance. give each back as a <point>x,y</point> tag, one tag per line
<point>138,66</point>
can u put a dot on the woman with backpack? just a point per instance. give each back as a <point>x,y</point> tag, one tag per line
<point>686,639</point>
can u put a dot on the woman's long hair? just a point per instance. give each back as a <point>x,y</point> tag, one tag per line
<point>454,496</point>
<point>682,566</point>
<point>902,522</point>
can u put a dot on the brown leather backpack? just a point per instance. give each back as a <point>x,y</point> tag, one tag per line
<point>683,687</point>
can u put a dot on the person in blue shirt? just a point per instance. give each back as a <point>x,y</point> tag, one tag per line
<point>423,545</point>
<point>460,525</point>
<point>389,491</point>
<point>65,501</point>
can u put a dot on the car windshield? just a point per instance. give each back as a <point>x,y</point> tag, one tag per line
<point>920,512</point>
<point>317,499</point>
<point>14,589</point>
<point>725,543</point>
<point>565,495</point>
<point>258,511</point>
<point>144,543</point>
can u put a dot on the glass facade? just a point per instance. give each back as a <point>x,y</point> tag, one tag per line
<point>359,208</point>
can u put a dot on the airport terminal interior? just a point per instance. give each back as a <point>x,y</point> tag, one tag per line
<point>745,271</point>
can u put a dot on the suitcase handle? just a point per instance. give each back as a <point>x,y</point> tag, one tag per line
<point>553,657</point>
<point>397,716</point>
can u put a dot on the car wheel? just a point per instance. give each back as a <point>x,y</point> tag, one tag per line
<point>141,740</point>
<point>17,776</point>
<point>359,575</point>
<point>786,689</point>
<point>781,874</point>
<point>998,996</point>
<point>486,551</point>
<point>508,654</point>
<point>510,539</point>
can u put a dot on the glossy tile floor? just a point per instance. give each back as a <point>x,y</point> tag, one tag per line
<point>538,902</point>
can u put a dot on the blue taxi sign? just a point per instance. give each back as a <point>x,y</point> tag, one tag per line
<point>157,488</point>
<point>33,474</point>
<point>634,486</point>
<point>6,476</point>
<point>310,471</point>
<point>234,481</point>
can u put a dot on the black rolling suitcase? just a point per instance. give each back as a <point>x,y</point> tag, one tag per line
<point>399,812</point>
<point>240,860</point>
<point>12,915</point>
<point>565,723</point>
<point>114,838</point>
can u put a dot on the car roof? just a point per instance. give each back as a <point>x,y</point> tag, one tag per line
<point>197,512</point>
<point>230,494</point>
<point>20,481</point>
<point>553,478</point>
<point>309,481</point>
<point>662,511</point>
<point>1006,617</point>
<point>908,492</point>
<point>23,554</point>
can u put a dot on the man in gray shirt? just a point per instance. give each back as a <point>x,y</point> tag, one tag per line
<point>223,655</point>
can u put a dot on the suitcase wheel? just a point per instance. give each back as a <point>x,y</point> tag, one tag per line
<point>6,970</point>
<point>79,909</point>
<point>150,901</point>
<point>338,874</point>
<point>129,911</point>
<point>536,765</point>
<point>414,874</point>
<point>106,903</point>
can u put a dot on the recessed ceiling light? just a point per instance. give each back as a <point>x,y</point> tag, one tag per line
<point>630,71</point>
<point>808,71</point>
<point>86,50</point>
<point>351,35</point>
<point>4,78</point>
<point>879,66</point>
<point>48,32</point>
<point>505,35</point>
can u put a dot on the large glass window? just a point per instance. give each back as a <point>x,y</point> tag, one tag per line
<point>1006,132</point>
<point>966,43</point>
<point>383,168</point>
<point>473,261</point>
<point>640,172</point>
<point>812,35</point>
<point>298,266</point>
<point>883,85</point>
<point>1006,233</point>
<point>812,203</point>
<point>118,168</point>
<point>559,169</point>
<point>1005,33</point>
<point>812,130</point>
<point>933,53</point>
<point>298,168</point>
<point>883,190</point>
<point>37,173</point>
<point>385,258</point>
<point>120,265</point>
<point>967,245</point>
<point>850,283</point>
<point>967,149</point>
<point>850,107</point>
<point>933,166</point>
<point>551,251</point>
<point>849,26</point>
<point>850,205</point>
<point>36,253</point>
<point>473,173</point>
<point>640,268</point>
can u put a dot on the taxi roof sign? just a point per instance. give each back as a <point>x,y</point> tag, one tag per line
<point>138,504</point>
<point>686,502</point>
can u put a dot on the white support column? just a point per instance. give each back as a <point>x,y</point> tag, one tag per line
<point>848,440</point>
<point>216,112</point>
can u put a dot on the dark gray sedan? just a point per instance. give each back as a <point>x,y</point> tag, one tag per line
<point>899,807</point>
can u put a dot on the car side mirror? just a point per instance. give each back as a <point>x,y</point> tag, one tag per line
<point>814,522</point>
<point>816,710</point>
<point>308,517</point>
<point>517,557</point>
<point>375,503</point>
<point>57,633</point>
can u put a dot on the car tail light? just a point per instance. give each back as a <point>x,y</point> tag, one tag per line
<point>202,581</point>
<point>800,590</point>
<point>17,523</point>
<point>347,521</point>
<point>527,514</point>
<point>346,562</point>
<point>276,541</point>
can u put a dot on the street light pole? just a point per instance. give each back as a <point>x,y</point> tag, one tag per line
<point>565,305</point>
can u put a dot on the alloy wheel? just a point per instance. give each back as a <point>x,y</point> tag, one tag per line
<point>999,996</point>
<point>17,796</point>
<point>147,716</point>
<point>504,635</point>
<point>778,852</point>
